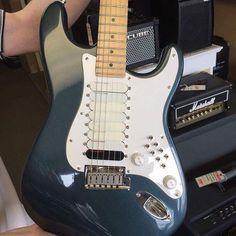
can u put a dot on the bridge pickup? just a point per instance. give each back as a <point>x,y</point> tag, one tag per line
<point>105,155</point>
<point>106,178</point>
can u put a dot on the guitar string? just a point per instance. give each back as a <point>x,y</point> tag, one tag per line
<point>114,85</point>
<point>102,110</point>
<point>102,42</point>
<point>124,13</point>
<point>95,143</point>
<point>116,95</point>
<point>106,87</point>
<point>108,16</point>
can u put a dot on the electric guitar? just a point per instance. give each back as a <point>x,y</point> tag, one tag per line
<point>104,162</point>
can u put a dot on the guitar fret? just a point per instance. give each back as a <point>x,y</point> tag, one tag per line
<point>113,6</point>
<point>109,68</point>
<point>112,32</point>
<point>110,55</point>
<point>116,75</point>
<point>111,24</point>
<point>113,15</point>
<point>112,48</point>
<point>106,61</point>
<point>110,40</point>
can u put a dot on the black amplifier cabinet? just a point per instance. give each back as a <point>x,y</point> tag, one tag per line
<point>142,38</point>
<point>187,23</point>
<point>222,59</point>
<point>189,107</point>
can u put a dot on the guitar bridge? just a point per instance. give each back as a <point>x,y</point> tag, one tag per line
<point>106,178</point>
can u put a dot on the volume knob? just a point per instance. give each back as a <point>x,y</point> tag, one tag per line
<point>138,159</point>
<point>170,182</point>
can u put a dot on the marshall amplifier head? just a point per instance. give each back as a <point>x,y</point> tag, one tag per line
<point>205,97</point>
<point>142,38</point>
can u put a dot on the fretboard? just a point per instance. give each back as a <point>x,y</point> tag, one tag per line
<point>112,38</point>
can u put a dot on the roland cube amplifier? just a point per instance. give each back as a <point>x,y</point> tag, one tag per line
<point>142,38</point>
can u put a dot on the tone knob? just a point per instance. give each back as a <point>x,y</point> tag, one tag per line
<point>169,182</point>
<point>138,159</point>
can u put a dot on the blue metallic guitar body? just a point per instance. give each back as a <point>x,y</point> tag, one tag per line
<point>57,194</point>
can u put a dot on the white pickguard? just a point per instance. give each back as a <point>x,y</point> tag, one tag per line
<point>144,140</point>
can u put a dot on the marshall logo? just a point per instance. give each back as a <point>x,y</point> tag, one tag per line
<point>138,35</point>
<point>199,105</point>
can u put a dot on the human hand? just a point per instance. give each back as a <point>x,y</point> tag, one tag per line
<point>33,230</point>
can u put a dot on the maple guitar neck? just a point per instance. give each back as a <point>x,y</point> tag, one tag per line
<point>112,38</point>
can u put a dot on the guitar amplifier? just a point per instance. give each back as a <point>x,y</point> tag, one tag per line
<point>199,96</point>
<point>142,38</point>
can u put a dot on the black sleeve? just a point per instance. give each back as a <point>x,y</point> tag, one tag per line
<point>2,23</point>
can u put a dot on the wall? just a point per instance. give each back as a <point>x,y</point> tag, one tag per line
<point>225,25</point>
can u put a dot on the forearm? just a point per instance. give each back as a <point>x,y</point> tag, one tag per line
<point>32,230</point>
<point>21,34</point>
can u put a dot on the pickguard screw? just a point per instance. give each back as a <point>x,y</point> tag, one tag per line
<point>177,193</point>
<point>81,113</point>
<point>86,58</point>
<point>173,55</point>
<point>129,78</point>
<point>169,87</point>
<point>78,168</point>
<point>126,146</point>
<point>71,140</point>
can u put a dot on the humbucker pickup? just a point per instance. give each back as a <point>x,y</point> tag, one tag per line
<point>106,155</point>
<point>106,177</point>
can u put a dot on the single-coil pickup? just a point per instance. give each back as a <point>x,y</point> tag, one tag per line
<point>106,136</point>
<point>106,86</point>
<point>105,116</point>
<point>109,125</point>
<point>114,106</point>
